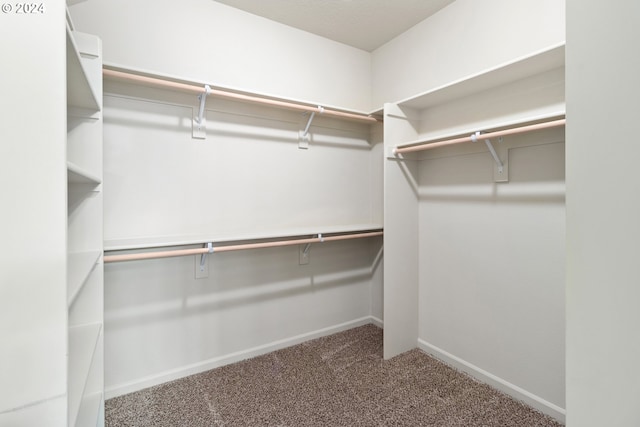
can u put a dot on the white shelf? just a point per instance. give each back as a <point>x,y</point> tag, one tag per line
<point>162,241</point>
<point>552,115</point>
<point>79,267</point>
<point>78,175</point>
<point>232,89</point>
<point>80,93</point>
<point>521,68</point>
<point>89,410</point>
<point>82,346</point>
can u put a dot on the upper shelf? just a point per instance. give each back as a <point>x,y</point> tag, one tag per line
<point>521,68</point>
<point>172,83</point>
<point>165,241</point>
<point>80,92</point>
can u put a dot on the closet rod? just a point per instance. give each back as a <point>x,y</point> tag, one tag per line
<point>169,84</point>
<point>199,251</point>
<point>513,131</point>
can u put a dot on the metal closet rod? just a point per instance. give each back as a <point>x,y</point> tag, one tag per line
<point>170,84</point>
<point>199,251</point>
<point>426,145</point>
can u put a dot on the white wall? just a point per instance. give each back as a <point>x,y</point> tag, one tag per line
<point>162,324</point>
<point>33,307</point>
<point>206,41</point>
<point>247,178</point>
<point>460,40</point>
<point>491,260</point>
<point>603,208</point>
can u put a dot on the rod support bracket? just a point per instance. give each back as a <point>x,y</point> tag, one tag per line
<point>305,251</point>
<point>303,136</point>
<point>501,171</point>
<point>199,121</point>
<point>203,257</point>
<point>304,254</point>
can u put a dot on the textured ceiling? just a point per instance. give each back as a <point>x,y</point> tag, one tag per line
<point>365,24</point>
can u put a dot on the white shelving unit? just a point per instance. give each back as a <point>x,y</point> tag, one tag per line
<point>85,383</point>
<point>521,91</point>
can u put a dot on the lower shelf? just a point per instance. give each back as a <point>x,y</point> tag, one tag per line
<point>78,175</point>
<point>180,240</point>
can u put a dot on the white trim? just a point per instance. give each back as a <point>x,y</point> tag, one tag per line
<point>378,322</point>
<point>216,362</point>
<point>512,390</point>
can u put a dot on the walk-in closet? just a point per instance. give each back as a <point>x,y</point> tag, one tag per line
<point>362,212</point>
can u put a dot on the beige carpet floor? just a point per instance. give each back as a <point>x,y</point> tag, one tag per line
<point>339,380</point>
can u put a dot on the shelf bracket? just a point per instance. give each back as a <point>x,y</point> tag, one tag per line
<point>501,171</point>
<point>203,257</point>
<point>305,251</point>
<point>199,122</point>
<point>303,136</point>
<point>303,256</point>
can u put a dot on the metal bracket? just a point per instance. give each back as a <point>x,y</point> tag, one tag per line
<point>303,135</point>
<point>199,121</point>
<point>305,251</point>
<point>303,256</point>
<point>501,171</point>
<point>203,257</point>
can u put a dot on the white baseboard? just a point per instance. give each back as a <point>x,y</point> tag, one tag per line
<point>378,322</point>
<point>184,371</point>
<point>512,390</point>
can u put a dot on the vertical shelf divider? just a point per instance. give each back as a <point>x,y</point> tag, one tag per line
<point>85,278</point>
